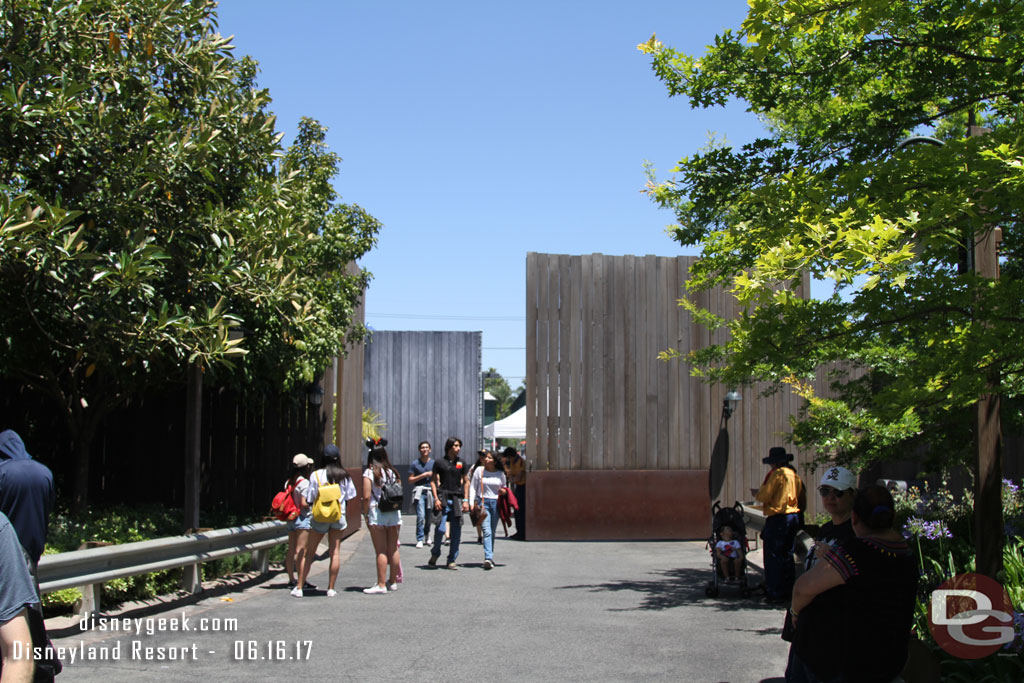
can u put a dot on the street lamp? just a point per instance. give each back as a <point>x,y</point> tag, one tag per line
<point>729,403</point>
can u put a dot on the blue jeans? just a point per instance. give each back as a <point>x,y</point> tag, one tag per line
<point>779,573</point>
<point>423,506</point>
<point>489,525</point>
<point>455,533</point>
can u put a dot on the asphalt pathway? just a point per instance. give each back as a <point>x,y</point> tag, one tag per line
<point>547,612</point>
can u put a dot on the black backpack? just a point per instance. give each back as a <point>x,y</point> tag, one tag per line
<point>391,495</point>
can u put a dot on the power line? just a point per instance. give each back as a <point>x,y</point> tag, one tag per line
<point>421,316</point>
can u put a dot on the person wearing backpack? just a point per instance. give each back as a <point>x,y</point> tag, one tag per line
<point>298,528</point>
<point>382,517</point>
<point>330,488</point>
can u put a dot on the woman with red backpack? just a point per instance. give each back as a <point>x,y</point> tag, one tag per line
<point>298,528</point>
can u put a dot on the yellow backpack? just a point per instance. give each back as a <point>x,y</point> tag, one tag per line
<point>327,507</point>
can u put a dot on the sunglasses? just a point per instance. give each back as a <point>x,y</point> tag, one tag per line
<point>829,492</point>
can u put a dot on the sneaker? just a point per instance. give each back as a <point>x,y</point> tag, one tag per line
<point>375,590</point>
<point>331,592</point>
<point>296,592</point>
<point>419,544</point>
<point>292,583</point>
<point>393,586</point>
<point>308,586</point>
<point>432,561</point>
<point>488,564</point>
<point>452,565</point>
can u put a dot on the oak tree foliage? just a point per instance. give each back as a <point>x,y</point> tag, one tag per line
<point>829,191</point>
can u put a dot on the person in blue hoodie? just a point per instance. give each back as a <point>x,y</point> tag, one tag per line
<point>26,494</point>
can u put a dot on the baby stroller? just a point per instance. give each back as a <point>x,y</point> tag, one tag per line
<point>732,517</point>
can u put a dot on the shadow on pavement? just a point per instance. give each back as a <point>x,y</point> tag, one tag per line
<point>678,587</point>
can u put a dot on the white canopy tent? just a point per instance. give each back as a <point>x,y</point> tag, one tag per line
<point>511,427</point>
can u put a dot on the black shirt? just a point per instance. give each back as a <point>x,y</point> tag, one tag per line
<point>832,534</point>
<point>861,628</point>
<point>451,476</point>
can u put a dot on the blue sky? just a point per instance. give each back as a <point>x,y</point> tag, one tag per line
<point>477,132</point>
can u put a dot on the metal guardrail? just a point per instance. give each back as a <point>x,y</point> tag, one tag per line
<point>88,569</point>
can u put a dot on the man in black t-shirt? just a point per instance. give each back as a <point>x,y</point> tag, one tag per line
<point>450,487</point>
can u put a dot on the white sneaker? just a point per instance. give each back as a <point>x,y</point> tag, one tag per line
<point>393,586</point>
<point>331,592</point>
<point>375,590</point>
<point>419,544</point>
<point>296,592</point>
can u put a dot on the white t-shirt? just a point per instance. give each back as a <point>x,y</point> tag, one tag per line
<point>299,493</point>
<point>729,548</point>
<point>492,482</point>
<point>375,491</point>
<point>319,478</point>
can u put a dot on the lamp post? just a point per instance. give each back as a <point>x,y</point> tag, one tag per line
<point>732,398</point>
<point>983,260</point>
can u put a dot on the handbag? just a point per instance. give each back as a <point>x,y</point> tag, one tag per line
<point>477,512</point>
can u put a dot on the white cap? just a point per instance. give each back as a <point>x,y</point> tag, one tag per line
<point>301,460</point>
<point>839,478</point>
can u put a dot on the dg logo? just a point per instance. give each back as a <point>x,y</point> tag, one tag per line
<point>971,616</point>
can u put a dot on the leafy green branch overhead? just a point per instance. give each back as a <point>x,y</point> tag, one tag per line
<point>149,217</point>
<point>828,192</point>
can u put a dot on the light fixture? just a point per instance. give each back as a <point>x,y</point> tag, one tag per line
<point>315,394</point>
<point>729,403</point>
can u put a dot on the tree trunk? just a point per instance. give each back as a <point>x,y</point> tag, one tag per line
<point>83,429</point>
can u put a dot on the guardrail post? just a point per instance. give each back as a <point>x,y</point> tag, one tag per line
<point>192,578</point>
<point>260,561</point>
<point>89,604</point>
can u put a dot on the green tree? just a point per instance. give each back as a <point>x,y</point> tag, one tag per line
<point>146,210</point>
<point>501,390</point>
<point>829,192</point>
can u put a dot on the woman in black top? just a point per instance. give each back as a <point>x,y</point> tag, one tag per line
<point>862,634</point>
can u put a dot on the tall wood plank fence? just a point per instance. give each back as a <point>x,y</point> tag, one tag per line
<point>598,397</point>
<point>426,386</point>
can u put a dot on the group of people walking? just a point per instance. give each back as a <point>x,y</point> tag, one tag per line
<point>850,611</point>
<point>444,491</point>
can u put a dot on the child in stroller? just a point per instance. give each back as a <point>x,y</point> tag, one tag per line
<point>728,544</point>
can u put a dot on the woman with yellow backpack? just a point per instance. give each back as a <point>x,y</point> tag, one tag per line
<point>330,488</point>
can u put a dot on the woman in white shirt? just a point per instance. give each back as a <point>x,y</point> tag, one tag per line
<point>487,485</point>
<point>384,525</point>
<point>330,474</point>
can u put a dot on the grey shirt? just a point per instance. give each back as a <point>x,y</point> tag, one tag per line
<point>16,589</point>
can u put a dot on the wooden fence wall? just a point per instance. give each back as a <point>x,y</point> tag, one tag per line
<point>247,446</point>
<point>426,386</point>
<point>598,398</point>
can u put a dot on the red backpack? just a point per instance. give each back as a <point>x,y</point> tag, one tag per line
<point>283,506</point>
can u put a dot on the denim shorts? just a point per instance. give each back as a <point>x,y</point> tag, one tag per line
<point>300,523</point>
<point>322,527</point>
<point>378,518</point>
